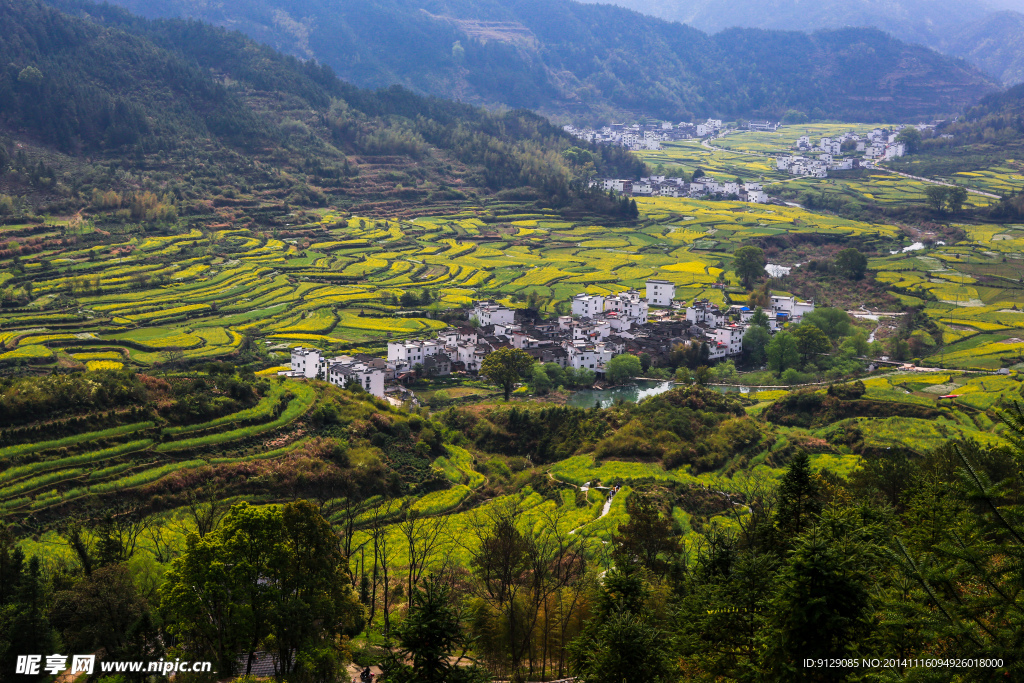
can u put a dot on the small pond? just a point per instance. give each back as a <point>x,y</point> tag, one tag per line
<point>633,393</point>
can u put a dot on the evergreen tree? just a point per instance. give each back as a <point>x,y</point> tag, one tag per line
<point>798,503</point>
<point>24,626</point>
<point>648,539</point>
<point>622,642</point>
<point>823,608</point>
<point>429,637</point>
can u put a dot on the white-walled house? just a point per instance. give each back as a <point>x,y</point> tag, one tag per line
<point>342,371</point>
<point>587,305</point>
<point>794,309</point>
<point>490,313</point>
<point>730,336</point>
<point>346,370</point>
<point>584,355</point>
<point>629,305</point>
<point>409,353</point>
<point>307,362</point>
<point>660,292</point>
<point>705,312</point>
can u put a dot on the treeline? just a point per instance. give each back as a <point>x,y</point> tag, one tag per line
<point>997,118</point>
<point>116,83</point>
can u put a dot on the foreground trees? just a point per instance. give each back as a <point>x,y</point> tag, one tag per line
<point>268,577</point>
<point>911,555</point>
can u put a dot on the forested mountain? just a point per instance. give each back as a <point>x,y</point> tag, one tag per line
<point>914,20</point>
<point>189,98</point>
<point>985,33</point>
<point>995,44</point>
<point>588,61</point>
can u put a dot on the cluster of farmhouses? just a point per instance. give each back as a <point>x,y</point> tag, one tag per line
<point>600,328</point>
<point>644,135</point>
<point>650,135</point>
<point>704,186</point>
<point>878,145</point>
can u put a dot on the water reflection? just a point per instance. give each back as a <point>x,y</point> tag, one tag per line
<point>634,393</point>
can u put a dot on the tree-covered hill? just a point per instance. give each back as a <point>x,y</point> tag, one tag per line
<point>987,34</point>
<point>589,61</point>
<point>81,98</point>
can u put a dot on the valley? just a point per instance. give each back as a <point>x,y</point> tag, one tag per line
<point>313,382</point>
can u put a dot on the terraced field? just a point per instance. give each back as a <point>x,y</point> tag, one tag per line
<point>42,477</point>
<point>351,283</point>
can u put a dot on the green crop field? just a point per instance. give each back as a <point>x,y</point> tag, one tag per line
<point>254,286</point>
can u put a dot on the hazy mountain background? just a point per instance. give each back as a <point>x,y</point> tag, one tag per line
<point>591,62</point>
<point>988,33</point>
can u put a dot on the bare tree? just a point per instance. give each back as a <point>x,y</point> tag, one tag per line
<point>206,508</point>
<point>161,547</point>
<point>425,538</point>
<point>105,536</point>
<point>380,513</point>
<point>502,559</point>
<point>559,562</point>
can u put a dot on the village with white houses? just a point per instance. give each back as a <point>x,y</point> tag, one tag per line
<point>705,186</point>
<point>815,160</point>
<point>650,135</point>
<point>878,145</point>
<point>599,328</point>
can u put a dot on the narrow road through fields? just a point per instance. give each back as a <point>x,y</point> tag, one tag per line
<point>586,487</point>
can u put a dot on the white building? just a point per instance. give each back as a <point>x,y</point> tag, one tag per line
<point>407,354</point>
<point>307,362</point>
<point>342,371</point>
<point>588,356</point>
<point>705,312</point>
<point>793,309</point>
<point>490,313</point>
<point>660,293</point>
<point>470,355</point>
<point>730,336</point>
<point>629,305</point>
<point>346,370</point>
<point>587,305</point>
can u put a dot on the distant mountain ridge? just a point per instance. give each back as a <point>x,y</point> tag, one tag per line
<point>989,34</point>
<point>598,61</point>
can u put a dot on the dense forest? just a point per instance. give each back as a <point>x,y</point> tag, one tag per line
<point>600,61</point>
<point>156,97</point>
